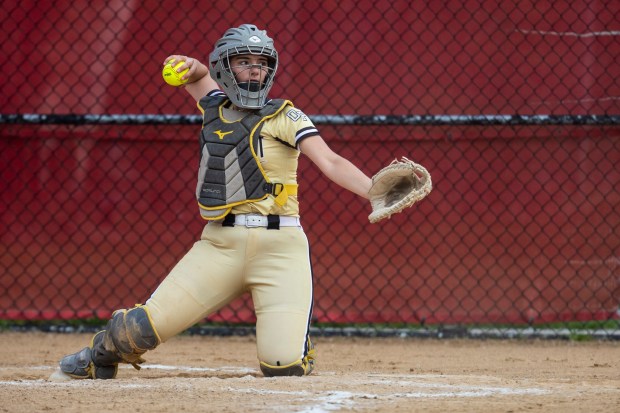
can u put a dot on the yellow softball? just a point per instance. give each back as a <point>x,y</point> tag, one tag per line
<point>170,74</point>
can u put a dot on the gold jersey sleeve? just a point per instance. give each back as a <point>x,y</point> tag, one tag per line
<point>279,154</point>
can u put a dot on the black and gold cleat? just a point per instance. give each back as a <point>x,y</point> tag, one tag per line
<point>80,366</point>
<point>91,362</point>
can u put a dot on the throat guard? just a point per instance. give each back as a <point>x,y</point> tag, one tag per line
<point>230,173</point>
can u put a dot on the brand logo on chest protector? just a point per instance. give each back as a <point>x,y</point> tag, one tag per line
<point>221,134</point>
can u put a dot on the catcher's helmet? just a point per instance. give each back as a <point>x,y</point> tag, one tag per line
<point>245,39</point>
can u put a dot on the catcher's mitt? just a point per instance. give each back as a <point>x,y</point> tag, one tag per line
<point>396,187</point>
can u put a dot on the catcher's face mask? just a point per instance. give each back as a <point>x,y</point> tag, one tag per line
<point>250,71</point>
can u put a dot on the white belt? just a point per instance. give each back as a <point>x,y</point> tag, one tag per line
<point>253,221</point>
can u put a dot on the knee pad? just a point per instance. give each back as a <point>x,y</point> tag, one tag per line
<point>294,369</point>
<point>131,333</point>
<point>301,367</point>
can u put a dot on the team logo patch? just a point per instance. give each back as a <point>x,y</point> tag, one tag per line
<point>294,115</point>
<point>221,134</point>
<point>254,39</point>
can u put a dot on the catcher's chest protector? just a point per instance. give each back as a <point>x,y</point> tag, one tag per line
<point>230,173</point>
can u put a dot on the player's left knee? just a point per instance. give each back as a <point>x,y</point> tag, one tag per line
<point>294,369</point>
<point>301,367</point>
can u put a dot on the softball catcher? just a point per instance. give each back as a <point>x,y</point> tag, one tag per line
<point>253,240</point>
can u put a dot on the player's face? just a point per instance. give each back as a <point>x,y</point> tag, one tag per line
<point>249,68</point>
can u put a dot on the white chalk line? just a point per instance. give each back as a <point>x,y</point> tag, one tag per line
<point>422,387</point>
<point>225,369</point>
<point>71,383</point>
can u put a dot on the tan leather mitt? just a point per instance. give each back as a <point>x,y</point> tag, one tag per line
<point>396,187</point>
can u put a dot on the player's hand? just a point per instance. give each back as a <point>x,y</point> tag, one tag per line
<point>196,70</point>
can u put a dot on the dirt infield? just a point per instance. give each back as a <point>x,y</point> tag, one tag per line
<point>213,374</point>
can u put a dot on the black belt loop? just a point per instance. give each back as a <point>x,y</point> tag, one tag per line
<point>273,189</point>
<point>229,220</point>
<point>273,222</point>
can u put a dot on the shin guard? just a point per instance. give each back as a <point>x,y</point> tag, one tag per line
<point>128,335</point>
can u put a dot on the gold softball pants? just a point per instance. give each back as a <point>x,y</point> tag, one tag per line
<point>272,264</point>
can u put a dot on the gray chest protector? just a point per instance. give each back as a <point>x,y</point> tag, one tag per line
<point>230,173</point>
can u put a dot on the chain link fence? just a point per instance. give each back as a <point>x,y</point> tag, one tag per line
<point>514,108</point>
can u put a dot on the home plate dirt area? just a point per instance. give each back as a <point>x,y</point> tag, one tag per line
<point>220,374</point>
